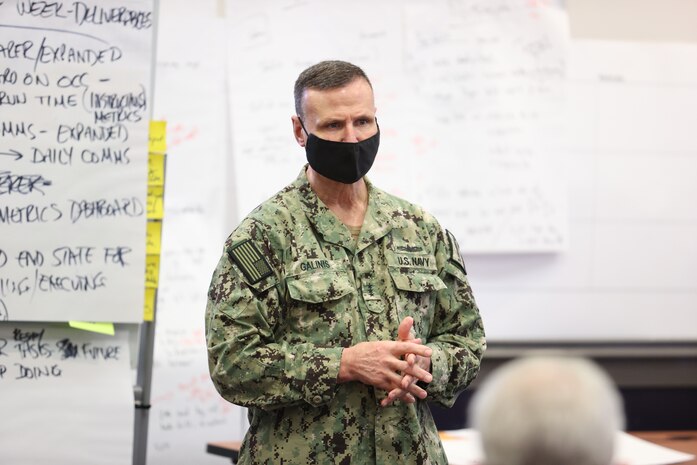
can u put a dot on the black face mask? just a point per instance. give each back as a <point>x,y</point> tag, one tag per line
<point>344,162</point>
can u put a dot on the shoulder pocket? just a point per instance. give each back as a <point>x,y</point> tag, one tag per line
<point>455,255</point>
<point>319,286</point>
<point>455,270</point>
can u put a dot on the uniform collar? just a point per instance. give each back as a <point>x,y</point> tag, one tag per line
<point>377,223</point>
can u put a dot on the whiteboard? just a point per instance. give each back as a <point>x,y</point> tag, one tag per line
<point>469,99</point>
<point>631,162</point>
<point>613,170</point>
<point>67,390</point>
<point>186,411</point>
<point>74,106</point>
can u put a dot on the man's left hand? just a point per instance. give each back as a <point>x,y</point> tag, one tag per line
<point>418,368</point>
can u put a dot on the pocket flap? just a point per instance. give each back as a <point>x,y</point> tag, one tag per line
<point>416,280</point>
<point>319,286</point>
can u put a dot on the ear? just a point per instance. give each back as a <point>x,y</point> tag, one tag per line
<point>298,132</point>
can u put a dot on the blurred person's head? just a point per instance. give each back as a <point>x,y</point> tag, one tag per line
<point>547,411</point>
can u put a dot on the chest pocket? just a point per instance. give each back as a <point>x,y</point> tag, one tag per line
<point>416,280</point>
<point>321,296</point>
<point>319,286</point>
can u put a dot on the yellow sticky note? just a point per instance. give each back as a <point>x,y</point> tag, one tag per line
<point>153,237</point>
<point>156,169</point>
<point>155,202</point>
<point>152,271</point>
<point>103,328</point>
<point>157,141</point>
<point>149,309</point>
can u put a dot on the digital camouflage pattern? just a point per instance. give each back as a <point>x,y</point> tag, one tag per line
<point>275,338</point>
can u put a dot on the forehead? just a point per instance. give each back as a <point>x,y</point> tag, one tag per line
<point>356,96</point>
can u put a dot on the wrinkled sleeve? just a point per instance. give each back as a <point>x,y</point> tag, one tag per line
<point>248,366</point>
<point>457,335</point>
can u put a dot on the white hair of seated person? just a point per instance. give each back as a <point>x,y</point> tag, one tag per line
<point>547,411</point>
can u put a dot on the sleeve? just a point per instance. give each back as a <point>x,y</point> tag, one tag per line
<point>248,366</point>
<point>457,336</point>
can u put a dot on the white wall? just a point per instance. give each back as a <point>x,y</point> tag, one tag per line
<point>622,149</point>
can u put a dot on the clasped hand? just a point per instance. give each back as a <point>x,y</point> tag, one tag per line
<point>394,366</point>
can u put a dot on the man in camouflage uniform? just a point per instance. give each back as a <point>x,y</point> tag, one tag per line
<point>336,308</point>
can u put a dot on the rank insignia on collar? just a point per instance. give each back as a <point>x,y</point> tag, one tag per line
<point>252,263</point>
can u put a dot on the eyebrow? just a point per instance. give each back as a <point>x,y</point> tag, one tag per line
<point>332,119</point>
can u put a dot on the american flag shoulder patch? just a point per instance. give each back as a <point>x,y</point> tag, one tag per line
<point>252,263</point>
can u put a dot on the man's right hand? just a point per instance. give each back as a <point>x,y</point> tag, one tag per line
<point>379,363</point>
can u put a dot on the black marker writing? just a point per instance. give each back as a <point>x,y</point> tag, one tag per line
<point>106,156</point>
<point>103,208</point>
<point>27,258</point>
<point>67,349</point>
<point>10,286</point>
<point>41,9</point>
<point>57,101</point>
<point>30,344</point>
<point>98,15</point>
<point>12,99</point>
<point>117,133</point>
<point>12,50</point>
<point>63,53</point>
<point>54,156</point>
<point>8,76</point>
<point>36,372</point>
<point>72,256</point>
<point>61,283</point>
<point>22,183</point>
<point>17,129</point>
<point>31,213</point>
<point>116,255</point>
<point>92,352</point>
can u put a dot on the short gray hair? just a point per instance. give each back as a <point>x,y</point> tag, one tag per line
<point>324,75</point>
<point>548,411</point>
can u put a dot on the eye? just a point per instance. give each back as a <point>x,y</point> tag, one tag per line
<point>363,122</point>
<point>334,125</point>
